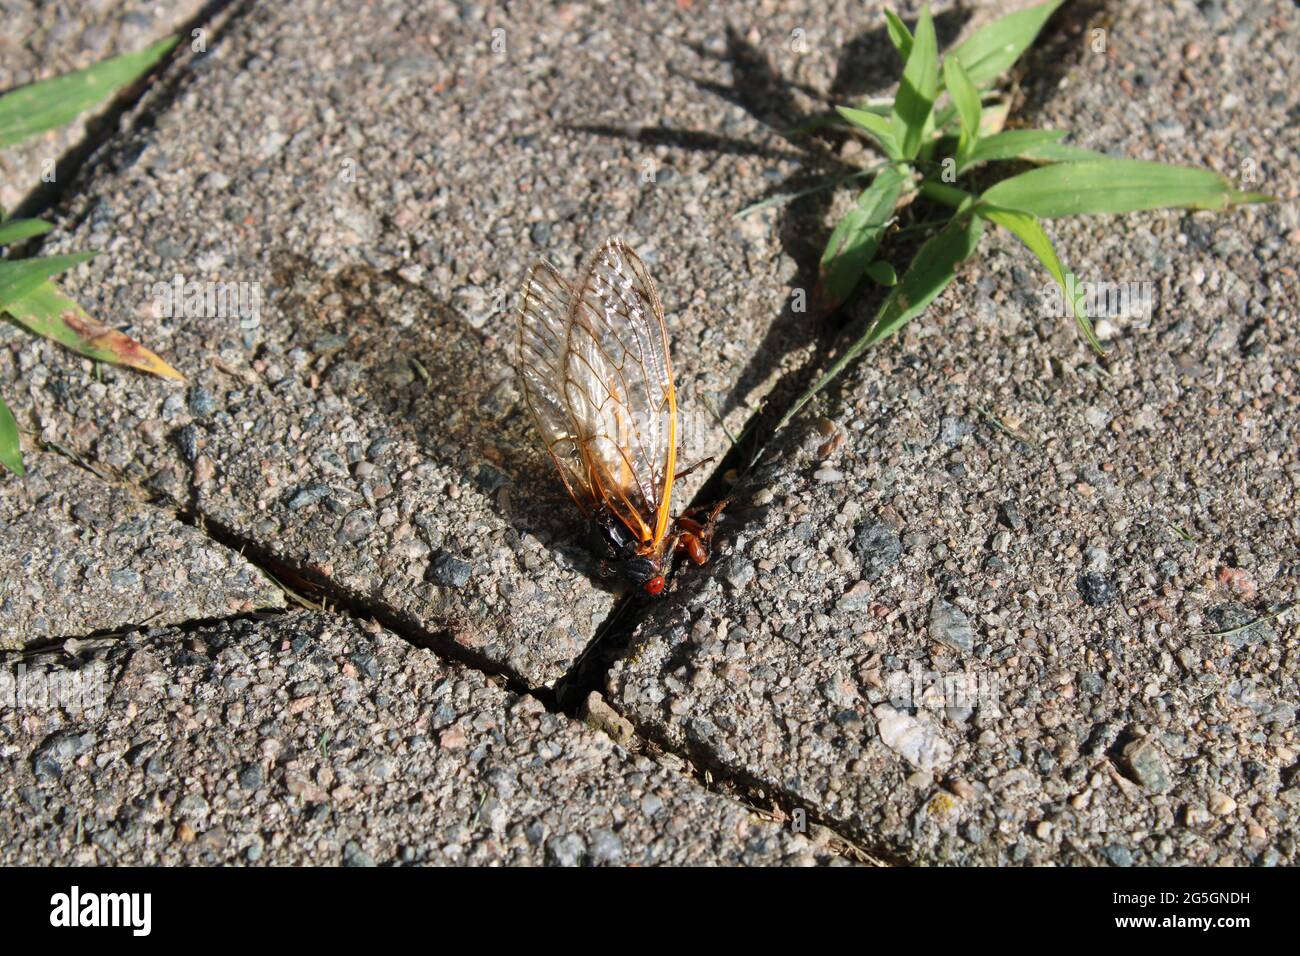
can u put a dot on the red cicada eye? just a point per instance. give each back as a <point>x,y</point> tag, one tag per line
<point>655,586</point>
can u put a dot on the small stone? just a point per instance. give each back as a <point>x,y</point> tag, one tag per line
<point>124,578</point>
<point>356,526</point>
<point>193,804</point>
<point>961,789</point>
<point>204,469</point>
<point>188,440</point>
<point>1095,416</point>
<point>1118,855</point>
<point>307,496</point>
<point>453,738</point>
<point>449,571</point>
<point>471,302</point>
<point>737,572</point>
<point>567,850</point>
<point>879,548</point>
<point>58,750</point>
<point>1009,515</point>
<point>949,625</point>
<point>202,403</point>
<point>1221,804</point>
<point>952,429</point>
<point>598,714</point>
<point>251,777</point>
<point>1146,763</point>
<point>856,598</point>
<point>918,741</point>
<point>353,855</point>
<point>839,691</point>
<point>1239,581</point>
<point>1096,589</point>
<point>1097,559</point>
<point>606,847</point>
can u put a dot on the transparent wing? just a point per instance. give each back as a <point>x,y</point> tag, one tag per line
<point>618,384</point>
<point>540,343</point>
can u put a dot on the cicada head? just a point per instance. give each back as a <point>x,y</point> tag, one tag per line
<point>645,572</point>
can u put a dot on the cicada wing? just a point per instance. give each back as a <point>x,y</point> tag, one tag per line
<point>619,387</point>
<point>541,341</point>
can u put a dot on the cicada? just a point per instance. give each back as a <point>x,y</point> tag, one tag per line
<point>593,365</point>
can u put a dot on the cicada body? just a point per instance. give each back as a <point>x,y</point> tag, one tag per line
<point>593,364</point>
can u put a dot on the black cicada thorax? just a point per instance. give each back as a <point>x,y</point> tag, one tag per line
<point>610,540</point>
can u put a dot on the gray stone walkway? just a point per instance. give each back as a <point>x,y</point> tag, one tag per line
<point>82,555</point>
<point>979,604</point>
<point>313,740</point>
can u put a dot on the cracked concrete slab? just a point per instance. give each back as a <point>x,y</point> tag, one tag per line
<point>79,555</point>
<point>985,603</point>
<point>312,739</point>
<point>44,40</point>
<point>379,194</point>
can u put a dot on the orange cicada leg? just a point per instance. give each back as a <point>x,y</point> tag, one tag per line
<point>691,544</point>
<point>694,537</point>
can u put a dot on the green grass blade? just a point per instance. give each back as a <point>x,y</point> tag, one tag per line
<point>11,454</point>
<point>1058,153</point>
<point>48,312</point>
<point>1114,186</point>
<point>967,101</point>
<point>876,126</point>
<point>1012,144</point>
<point>16,230</point>
<point>23,276</point>
<point>856,238</point>
<point>990,51</point>
<point>1029,230</point>
<point>899,34</point>
<point>914,103</point>
<point>48,104</point>
<point>881,273</point>
<point>931,271</point>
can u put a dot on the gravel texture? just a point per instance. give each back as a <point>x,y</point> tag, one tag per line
<point>985,602</point>
<point>79,555</point>
<point>384,191</point>
<point>310,739</point>
<point>42,40</point>
<point>1057,668</point>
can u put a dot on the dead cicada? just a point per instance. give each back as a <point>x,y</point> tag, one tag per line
<point>593,364</point>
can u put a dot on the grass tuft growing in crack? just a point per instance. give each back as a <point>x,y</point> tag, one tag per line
<point>946,123</point>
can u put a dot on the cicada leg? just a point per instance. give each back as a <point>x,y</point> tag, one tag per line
<point>682,474</point>
<point>694,538</point>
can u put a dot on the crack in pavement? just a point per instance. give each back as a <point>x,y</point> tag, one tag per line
<point>162,81</point>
